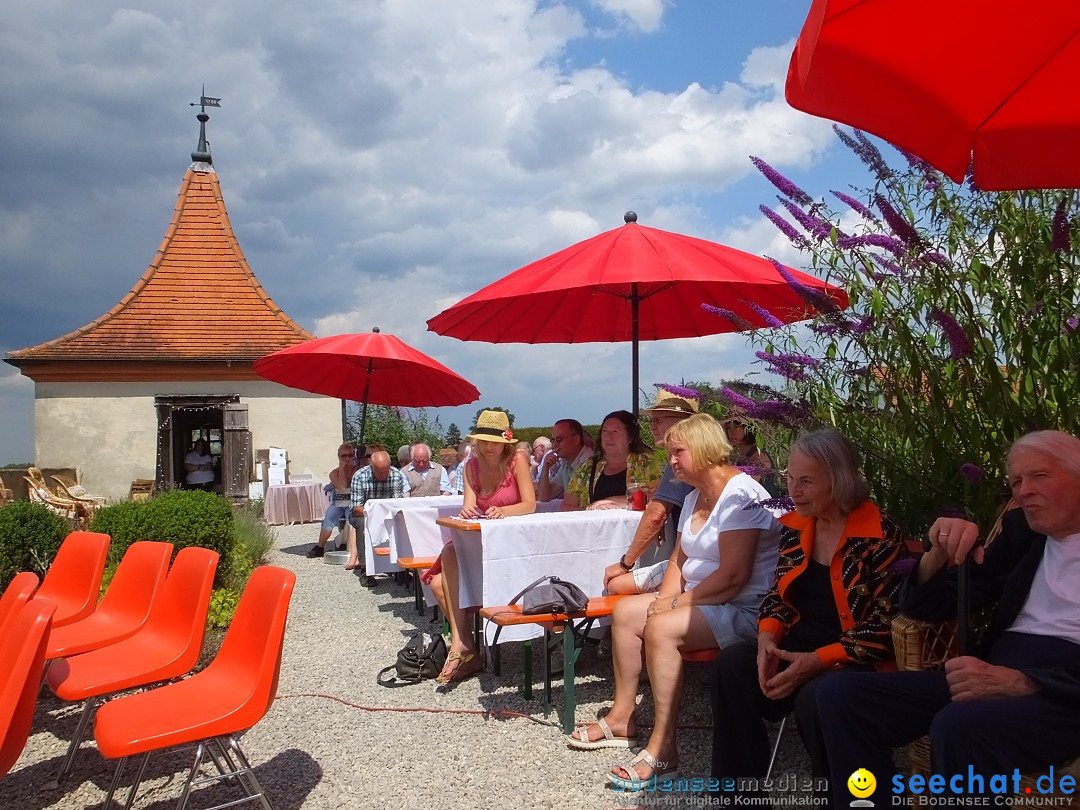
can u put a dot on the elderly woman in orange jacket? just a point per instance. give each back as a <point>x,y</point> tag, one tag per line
<point>829,609</point>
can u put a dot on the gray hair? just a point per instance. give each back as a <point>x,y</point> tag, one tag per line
<point>404,454</point>
<point>841,459</point>
<point>417,446</point>
<point>1064,447</point>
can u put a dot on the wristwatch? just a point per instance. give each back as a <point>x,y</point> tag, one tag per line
<point>623,564</point>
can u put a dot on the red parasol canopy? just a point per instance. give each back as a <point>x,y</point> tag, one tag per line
<point>989,81</point>
<point>629,284</point>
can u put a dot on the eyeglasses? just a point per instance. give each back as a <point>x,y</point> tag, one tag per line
<point>350,455</point>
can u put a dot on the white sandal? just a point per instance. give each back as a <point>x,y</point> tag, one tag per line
<point>580,738</point>
<point>634,783</point>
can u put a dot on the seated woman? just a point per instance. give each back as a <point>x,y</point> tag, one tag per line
<point>497,485</point>
<point>623,457</point>
<point>723,563</point>
<point>828,609</point>
<point>743,438</point>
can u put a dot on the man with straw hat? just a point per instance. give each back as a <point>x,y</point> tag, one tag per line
<point>661,515</point>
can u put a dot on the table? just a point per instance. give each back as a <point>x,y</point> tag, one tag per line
<point>498,558</point>
<point>408,526</point>
<point>295,502</point>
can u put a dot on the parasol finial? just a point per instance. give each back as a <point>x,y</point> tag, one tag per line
<point>375,329</point>
<point>629,216</point>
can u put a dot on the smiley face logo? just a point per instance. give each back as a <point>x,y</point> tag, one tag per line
<point>861,783</point>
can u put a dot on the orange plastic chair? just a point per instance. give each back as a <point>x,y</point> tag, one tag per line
<point>166,646</point>
<point>16,594</point>
<point>232,694</point>
<point>73,581</point>
<point>23,653</point>
<point>125,606</point>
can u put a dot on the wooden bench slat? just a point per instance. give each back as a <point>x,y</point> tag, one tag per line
<point>382,551</point>
<point>410,563</point>
<point>507,615</point>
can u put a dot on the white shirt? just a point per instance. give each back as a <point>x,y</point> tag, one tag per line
<point>702,549</point>
<point>1053,603</point>
<point>199,476</point>
<point>564,471</point>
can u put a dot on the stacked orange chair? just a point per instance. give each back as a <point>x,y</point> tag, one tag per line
<point>232,694</point>
<point>166,646</point>
<point>73,581</point>
<point>125,606</point>
<point>16,594</point>
<point>22,651</point>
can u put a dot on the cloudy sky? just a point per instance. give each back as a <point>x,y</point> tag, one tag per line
<point>381,160</point>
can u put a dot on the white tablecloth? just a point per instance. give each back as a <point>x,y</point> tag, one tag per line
<point>424,538</point>
<point>506,555</point>
<point>295,502</point>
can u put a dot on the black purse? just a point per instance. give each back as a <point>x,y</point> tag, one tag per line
<point>421,659</point>
<point>551,595</point>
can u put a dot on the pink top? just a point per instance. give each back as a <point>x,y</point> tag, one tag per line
<point>506,494</point>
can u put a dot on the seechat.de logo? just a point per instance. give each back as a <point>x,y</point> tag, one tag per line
<point>861,784</point>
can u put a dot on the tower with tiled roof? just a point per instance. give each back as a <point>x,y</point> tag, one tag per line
<point>173,358</point>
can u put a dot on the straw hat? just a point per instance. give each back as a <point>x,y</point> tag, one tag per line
<point>667,402</point>
<point>493,426</point>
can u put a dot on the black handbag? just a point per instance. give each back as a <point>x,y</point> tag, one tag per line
<point>551,595</point>
<point>421,659</point>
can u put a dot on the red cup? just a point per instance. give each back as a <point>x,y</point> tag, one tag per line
<point>637,500</point>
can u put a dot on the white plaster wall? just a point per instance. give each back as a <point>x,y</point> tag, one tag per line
<point>109,430</point>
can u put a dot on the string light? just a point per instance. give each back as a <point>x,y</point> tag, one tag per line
<point>166,425</point>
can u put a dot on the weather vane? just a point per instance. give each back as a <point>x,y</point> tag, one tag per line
<point>205,101</point>
<point>202,151</point>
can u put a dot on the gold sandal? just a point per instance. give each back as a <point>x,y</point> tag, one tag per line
<point>453,675</point>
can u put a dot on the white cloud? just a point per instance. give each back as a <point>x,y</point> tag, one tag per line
<point>379,161</point>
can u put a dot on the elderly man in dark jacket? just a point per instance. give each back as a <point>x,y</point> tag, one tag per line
<point>1014,704</point>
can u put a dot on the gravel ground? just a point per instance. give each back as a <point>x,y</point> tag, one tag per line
<point>335,739</point>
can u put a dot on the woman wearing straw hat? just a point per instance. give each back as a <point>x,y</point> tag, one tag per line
<point>498,484</point>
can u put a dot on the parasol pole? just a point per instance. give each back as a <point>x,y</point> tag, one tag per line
<point>363,403</point>
<point>635,303</point>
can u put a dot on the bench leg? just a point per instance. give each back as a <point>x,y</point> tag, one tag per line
<point>569,661</point>
<point>526,669</point>
<point>547,672</point>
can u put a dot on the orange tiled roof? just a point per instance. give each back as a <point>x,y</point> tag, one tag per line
<point>198,300</point>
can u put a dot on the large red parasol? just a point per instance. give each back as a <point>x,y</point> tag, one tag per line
<point>369,368</point>
<point>985,82</point>
<point>630,284</point>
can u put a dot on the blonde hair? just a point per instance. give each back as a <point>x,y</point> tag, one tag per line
<point>703,437</point>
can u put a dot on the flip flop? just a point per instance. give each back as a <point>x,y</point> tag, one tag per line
<point>580,738</point>
<point>635,784</point>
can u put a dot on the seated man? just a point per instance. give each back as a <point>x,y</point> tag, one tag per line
<point>378,480</point>
<point>541,451</point>
<point>423,477</point>
<point>340,493</point>
<point>456,472</point>
<point>1014,705</point>
<point>568,442</point>
<point>661,515</point>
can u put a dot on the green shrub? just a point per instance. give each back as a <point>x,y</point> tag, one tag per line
<point>193,518</point>
<point>125,523</point>
<point>29,538</point>
<point>252,533</point>
<point>223,602</point>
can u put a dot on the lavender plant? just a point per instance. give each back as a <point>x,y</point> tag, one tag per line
<point>961,336</point>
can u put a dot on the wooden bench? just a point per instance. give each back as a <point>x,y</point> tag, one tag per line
<point>415,565</point>
<point>511,616</point>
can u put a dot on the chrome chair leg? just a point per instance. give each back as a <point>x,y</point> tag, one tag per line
<point>199,751</point>
<point>115,783</point>
<point>138,781</point>
<point>776,748</point>
<point>266,803</point>
<point>80,733</point>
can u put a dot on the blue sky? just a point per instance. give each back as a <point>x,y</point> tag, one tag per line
<point>381,161</point>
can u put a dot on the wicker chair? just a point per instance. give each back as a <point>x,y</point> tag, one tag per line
<point>91,503</point>
<point>72,511</point>
<point>927,645</point>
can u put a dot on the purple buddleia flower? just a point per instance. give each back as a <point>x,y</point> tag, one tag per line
<point>914,161</point>
<point>938,258</point>
<point>787,188</point>
<point>782,412</point>
<point>738,400</point>
<point>855,206</point>
<point>889,243</point>
<point>959,345</point>
<point>888,265</point>
<point>863,325</point>
<point>790,366</point>
<point>679,390</point>
<point>931,183</point>
<point>768,317</point>
<point>816,298</point>
<point>871,156</point>
<point>740,323</point>
<point>785,227</point>
<point>1059,239</point>
<point>825,329</point>
<point>972,472</point>
<point>1070,325</point>
<point>901,228</point>
<point>845,139</point>
<point>970,178</point>
<point>815,226</point>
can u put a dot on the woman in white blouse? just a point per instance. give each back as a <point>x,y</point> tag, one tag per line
<point>722,565</point>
